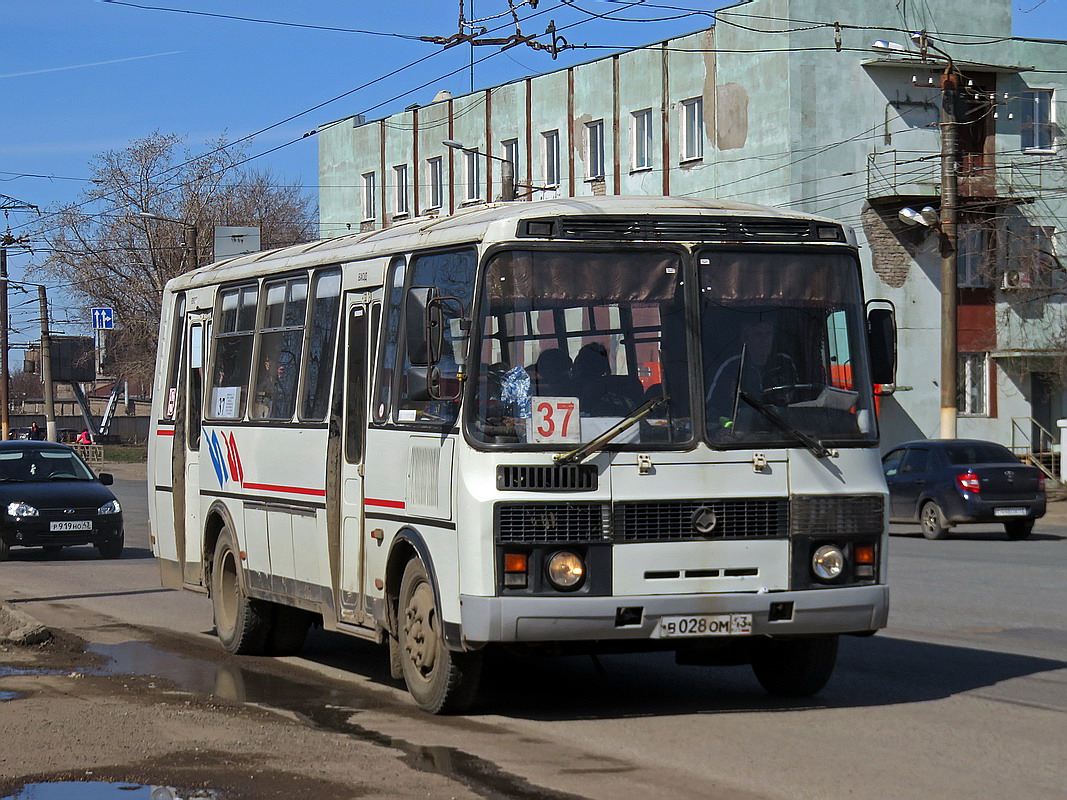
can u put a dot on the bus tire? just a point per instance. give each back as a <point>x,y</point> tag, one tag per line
<point>439,680</point>
<point>241,623</point>
<point>288,629</point>
<point>794,667</point>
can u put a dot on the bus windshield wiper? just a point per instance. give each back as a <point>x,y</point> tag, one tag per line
<point>575,456</point>
<point>814,445</point>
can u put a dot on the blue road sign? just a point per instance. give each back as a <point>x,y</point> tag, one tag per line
<point>103,318</point>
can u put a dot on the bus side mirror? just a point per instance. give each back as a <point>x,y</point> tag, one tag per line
<point>423,325</point>
<point>882,341</point>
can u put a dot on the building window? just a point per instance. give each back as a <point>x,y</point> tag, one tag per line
<point>400,178</point>
<point>509,151</point>
<point>1037,121</point>
<point>435,178</point>
<point>972,384</point>
<point>551,141</point>
<point>642,139</point>
<point>974,256</point>
<point>472,176</point>
<point>370,193</point>
<point>692,136</point>
<point>594,150</point>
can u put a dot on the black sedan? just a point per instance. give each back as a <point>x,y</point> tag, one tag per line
<point>940,483</point>
<point>50,498</point>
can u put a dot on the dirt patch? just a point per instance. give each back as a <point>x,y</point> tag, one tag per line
<point>70,720</point>
<point>17,628</point>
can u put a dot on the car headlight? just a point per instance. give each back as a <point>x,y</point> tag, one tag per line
<point>21,510</point>
<point>828,562</point>
<point>565,569</point>
<point>110,507</point>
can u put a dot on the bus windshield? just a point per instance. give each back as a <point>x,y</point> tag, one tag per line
<point>784,349</point>
<point>573,341</point>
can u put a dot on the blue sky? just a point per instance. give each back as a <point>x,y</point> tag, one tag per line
<point>78,77</point>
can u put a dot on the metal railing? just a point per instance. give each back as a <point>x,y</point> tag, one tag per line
<point>92,453</point>
<point>1040,453</point>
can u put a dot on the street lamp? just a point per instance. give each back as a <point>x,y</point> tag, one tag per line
<point>946,225</point>
<point>192,251</point>
<point>507,172</point>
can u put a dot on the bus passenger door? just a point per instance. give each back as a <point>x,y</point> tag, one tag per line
<point>353,368</point>
<point>186,454</point>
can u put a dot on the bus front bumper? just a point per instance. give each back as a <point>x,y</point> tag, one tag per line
<point>861,609</point>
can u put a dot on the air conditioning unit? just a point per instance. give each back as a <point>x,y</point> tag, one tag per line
<point>1017,279</point>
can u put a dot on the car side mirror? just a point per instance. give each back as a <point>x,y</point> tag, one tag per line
<point>423,326</point>
<point>106,478</point>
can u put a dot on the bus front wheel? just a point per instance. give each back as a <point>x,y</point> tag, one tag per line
<point>241,623</point>
<point>438,679</point>
<point>794,667</point>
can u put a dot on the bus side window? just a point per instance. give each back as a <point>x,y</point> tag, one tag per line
<point>390,341</point>
<point>281,343</point>
<point>321,343</point>
<point>177,335</point>
<point>453,275</point>
<point>234,332</point>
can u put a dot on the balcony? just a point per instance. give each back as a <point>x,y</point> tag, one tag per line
<point>1017,177</point>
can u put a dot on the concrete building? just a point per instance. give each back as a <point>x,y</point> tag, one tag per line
<point>787,103</point>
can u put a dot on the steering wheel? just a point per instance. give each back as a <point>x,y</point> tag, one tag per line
<point>788,393</point>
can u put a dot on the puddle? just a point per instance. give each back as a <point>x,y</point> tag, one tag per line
<point>9,696</point>
<point>95,790</point>
<point>321,705</point>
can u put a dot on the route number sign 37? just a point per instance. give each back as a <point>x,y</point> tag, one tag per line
<point>553,419</point>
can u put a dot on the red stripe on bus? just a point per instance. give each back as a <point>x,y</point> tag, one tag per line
<point>165,432</point>
<point>269,487</point>
<point>370,501</point>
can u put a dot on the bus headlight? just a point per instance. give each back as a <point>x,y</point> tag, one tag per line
<point>828,562</point>
<point>565,569</point>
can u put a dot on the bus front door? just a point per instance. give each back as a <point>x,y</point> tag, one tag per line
<point>352,424</point>
<point>186,451</point>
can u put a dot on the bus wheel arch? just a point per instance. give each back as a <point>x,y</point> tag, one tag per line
<point>217,520</point>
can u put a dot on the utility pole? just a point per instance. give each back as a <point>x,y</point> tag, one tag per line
<point>46,367</point>
<point>949,214</point>
<point>5,383</point>
<point>948,238</point>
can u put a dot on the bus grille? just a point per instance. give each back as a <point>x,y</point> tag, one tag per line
<point>545,478</point>
<point>697,520</point>
<point>689,228</point>
<point>537,523</point>
<point>838,515</point>
<point>842,516</point>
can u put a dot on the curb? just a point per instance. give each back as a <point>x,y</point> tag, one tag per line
<point>20,629</point>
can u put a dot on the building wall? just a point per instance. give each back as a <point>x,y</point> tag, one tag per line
<point>789,119</point>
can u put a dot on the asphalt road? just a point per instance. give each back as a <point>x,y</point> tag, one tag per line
<point>963,696</point>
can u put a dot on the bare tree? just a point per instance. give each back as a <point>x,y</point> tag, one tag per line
<point>113,257</point>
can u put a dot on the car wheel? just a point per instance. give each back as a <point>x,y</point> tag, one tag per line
<point>5,550</point>
<point>794,667</point>
<point>933,521</point>
<point>111,548</point>
<point>1019,529</point>
<point>439,680</point>
<point>241,623</point>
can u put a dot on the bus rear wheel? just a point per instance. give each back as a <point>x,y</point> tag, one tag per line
<point>241,623</point>
<point>439,680</point>
<point>794,667</point>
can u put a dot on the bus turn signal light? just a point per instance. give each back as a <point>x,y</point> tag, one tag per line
<point>864,554</point>
<point>515,565</point>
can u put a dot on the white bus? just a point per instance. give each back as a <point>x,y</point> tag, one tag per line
<point>606,424</point>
